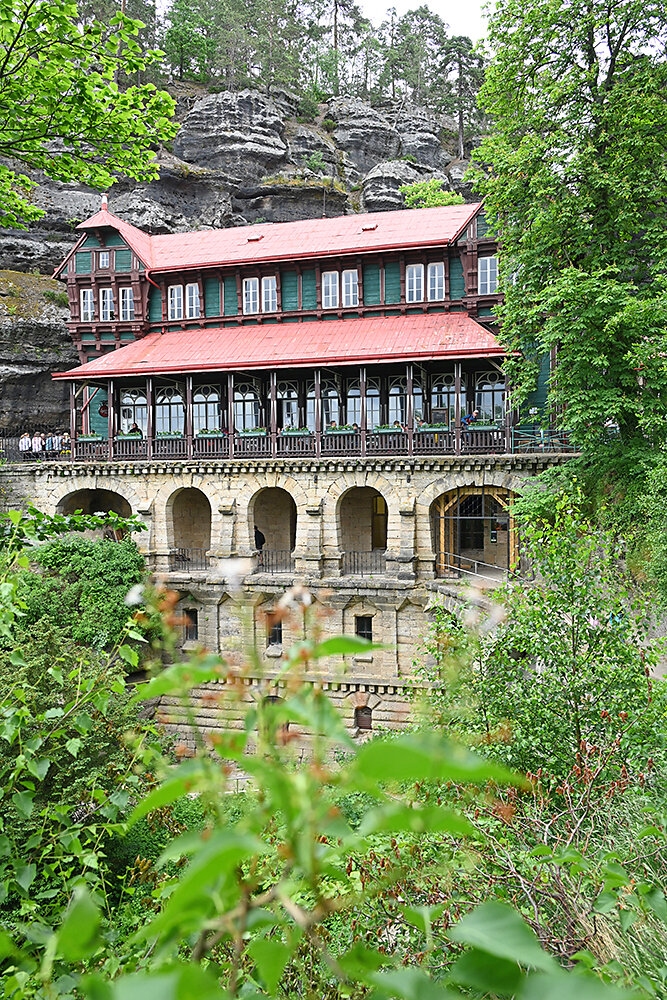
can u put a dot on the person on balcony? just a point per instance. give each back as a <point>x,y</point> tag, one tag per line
<point>470,418</point>
<point>25,445</point>
<point>136,429</point>
<point>260,542</point>
<point>37,445</point>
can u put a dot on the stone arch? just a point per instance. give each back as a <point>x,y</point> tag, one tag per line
<point>362,520</point>
<point>188,511</point>
<point>273,510</point>
<point>472,525</point>
<point>245,500</point>
<point>80,484</point>
<point>94,500</point>
<point>333,496</point>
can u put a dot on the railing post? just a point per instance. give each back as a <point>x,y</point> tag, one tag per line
<point>273,383</point>
<point>410,407</point>
<point>362,393</point>
<point>230,413</point>
<point>150,428</point>
<point>189,424</point>
<point>457,407</point>
<point>318,412</point>
<point>72,421</point>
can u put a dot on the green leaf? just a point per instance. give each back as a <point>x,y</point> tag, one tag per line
<point>499,930</point>
<point>488,973</point>
<point>343,645</point>
<point>627,919</point>
<point>180,782</point>
<point>181,678</point>
<point>24,802</point>
<point>270,957</point>
<point>25,875</point>
<point>605,902</point>
<point>38,767</point>
<point>575,985</point>
<point>78,932</point>
<point>73,746</point>
<point>422,917</point>
<point>409,984</point>
<point>429,757</point>
<point>186,982</point>
<point>129,654</point>
<point>417,819</point>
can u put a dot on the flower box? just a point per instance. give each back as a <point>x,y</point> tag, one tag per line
<point>432,427</point>
<point>210,434</point>
<point>134,436</point>
<point>90,437</point>
<point>165,436</point>
<point>341,430</point>
<point>295,432</point>
<point>257,432</point>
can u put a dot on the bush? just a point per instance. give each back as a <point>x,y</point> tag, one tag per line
<point>58,298</point>
<point>308,107</point>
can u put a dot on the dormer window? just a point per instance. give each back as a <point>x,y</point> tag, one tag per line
<point>414,283</point>
<point>103,259</point>
<point>87,305</point>
<point>192,306</point>
<point>487,275</point>
<point>175,299</point>
<point>269,294</point>
<point>350,288</point>
<point>250,296</point>
<point>330,290</point>
<point>106,305</point>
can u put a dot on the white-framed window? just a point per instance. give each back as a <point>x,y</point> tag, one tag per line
<point>126,303</point>
<point>250,295</point>
<point>330,290</point>
<point>436,282</point>
<point>175,300</point>
<point>192,308</point>
<point>87,305</point>
<point>269,294</point>
<point>350,288</point>
<point>487,275</point>
<point>414,283</point>
<point>106,304</point>
<point>103,259</point>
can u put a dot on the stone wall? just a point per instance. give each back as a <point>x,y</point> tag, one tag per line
<point>232,615</point>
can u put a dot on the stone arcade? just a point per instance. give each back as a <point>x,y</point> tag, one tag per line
<point>316,380</point>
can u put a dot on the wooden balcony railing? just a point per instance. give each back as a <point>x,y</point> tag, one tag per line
<point>472,440</point>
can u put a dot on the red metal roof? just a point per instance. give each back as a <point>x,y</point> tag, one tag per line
<point>345,234</point>
<point>426,336</point>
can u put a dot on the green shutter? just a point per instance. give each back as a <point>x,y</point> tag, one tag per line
<point>371,285</point>
<point>538,397</point>
<point>82,263</point>
<point>308,290</point>
<point>231,299</point>
<point>457,287</point>
<point>289,290</point>
<point>482,226</point>
<point>212,297</point>
<point>114,239</point>
<point>98,423</point>
<point>155,305</point>
<point>92,241</point>
<point>392,282</point>
<point>123,260</point>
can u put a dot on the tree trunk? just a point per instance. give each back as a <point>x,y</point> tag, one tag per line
<point>460,108</point>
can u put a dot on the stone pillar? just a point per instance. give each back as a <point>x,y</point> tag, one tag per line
<point>401,541</point>
<point>308,557</point>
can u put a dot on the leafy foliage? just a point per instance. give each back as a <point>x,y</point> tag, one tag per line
<point>62,110</point>
<point>428,194</point>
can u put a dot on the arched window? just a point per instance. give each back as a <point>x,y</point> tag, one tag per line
<point>418,393</point>
<point>206,408</point>
<point>169,410</point>
<point>490,397</point>
<point>443,400</point>
<point>247,407</point>
<point>133,409</point>
<point>331,410</point>
<point>363,717</point>
<point>288,405</point>
<point>353,404</point>
<point>397,401</point>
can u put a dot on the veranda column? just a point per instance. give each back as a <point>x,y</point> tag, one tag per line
<point>362,391</point>
<point>318,412</point>
<point>410,406</point>
<point>230,413</point>
<point>457,407</point>
<point>150,421</point>
<point>273,384</point>
<point>72,419</point>
<point>189,428</point>
<point>111,413</point>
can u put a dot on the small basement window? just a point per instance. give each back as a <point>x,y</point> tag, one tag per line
<point>191,625</point>
<point>363,627</point>
<point>274,635</point>
<point>363,717</point>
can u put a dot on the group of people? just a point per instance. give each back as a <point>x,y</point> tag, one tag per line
<point>41,445</point>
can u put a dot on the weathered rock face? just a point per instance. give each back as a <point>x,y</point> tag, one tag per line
<point>33,342</point>
<point>242,134</point>
<point>238,158</point>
